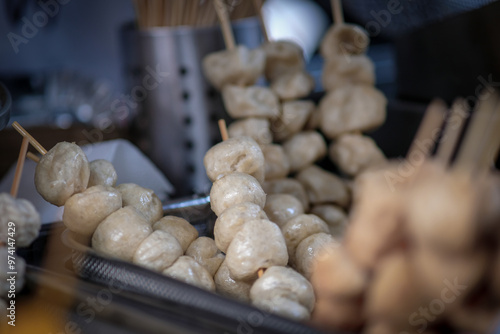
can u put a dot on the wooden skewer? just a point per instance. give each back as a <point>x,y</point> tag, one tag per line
<point>151,14</point>
<point>180,14</point>
<point>167,8</point>
<point>473,140</point>
<point>260,272</point>
<point>32,157</point>
<point>221,10</point>
<point>458,114</point>
<point>433,120</point>
<point>144,13</point>
<point>338,15</point>
<point>193,13</point>
<point>159,13</point>
<point>19,167</point>
<point>223,129</point>
<point>488,148</point>
<point>173,12</point>
<point>258,8</point>
<point>32,140</point>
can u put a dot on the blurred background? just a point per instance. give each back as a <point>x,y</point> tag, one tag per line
<point>75,69</point>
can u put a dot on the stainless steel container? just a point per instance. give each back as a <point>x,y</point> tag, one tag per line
<point>178,110</point>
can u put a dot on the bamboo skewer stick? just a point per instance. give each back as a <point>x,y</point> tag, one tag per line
<point>223,129</point>
<point>173,13</point>
<point>452,132</point>
<point>193,13</point>
<point>432,121</point>
<point>19,168</point>
<point>32,140</point>
<point>221,9</point>
<point>32,157</point>
<point>258,8</point>
<point>468,154</point>
<point>337,13</point>
<point>180,13</point>
<point>150,14</point>
<point>167,9</point>
<point>488,147</point>
<point>159,15</point>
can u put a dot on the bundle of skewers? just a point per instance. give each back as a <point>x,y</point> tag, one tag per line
<point>421,252</point>
<point>193,13</point>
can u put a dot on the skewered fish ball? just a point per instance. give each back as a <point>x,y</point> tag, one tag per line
<point>394,294</point>
<point>352,108</point>
<point>450,227</point>
<point>235,188</point>
<point>335,274</point>
<point>120,234</point>
<point>186,269</point>
<point>62,172</point>
<point>308,249</point>
<point>241,154</point>
<point>229,287</point>
<point>294,116</point>
<point>287,186</point>
<point>256,128</point>
<point>143,199</point>
<point>158,251</point>
<point>334,216</point>
<point>340,313</point>
<point>232,219</point>
<point>433,266</point>
<point>304,148</point>
<point>344,71</point>
<point>181,229</point>
<point>353,153</point>
<point>339,285</point>
<point>102,173</point>
<point>23,214</point>
<point>85,210</point>
<point>254,101</point>
<point>239,66</point>
<point>300,227</point>
<point>343,40</point>
<point>293,85</point>
<point>258,245</point>
<point>282,57</point>
<point>323,187</point>
<point>206,253</point>
<point>280,208</point>
<point>279,289</point>
<point>375,225</point>
<point>275,162</point>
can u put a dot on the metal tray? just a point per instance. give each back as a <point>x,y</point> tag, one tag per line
<point>234,316</point>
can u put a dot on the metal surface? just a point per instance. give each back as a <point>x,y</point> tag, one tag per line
<point>195,210</point>
<point>216,313</point>
<point>179,110</point>
<point>5,105</point>
<point>219,313</point>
